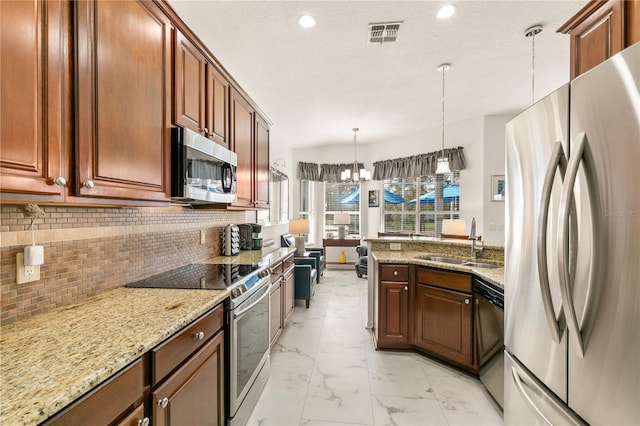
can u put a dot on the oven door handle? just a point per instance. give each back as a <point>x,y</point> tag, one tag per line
<point>236,315</point>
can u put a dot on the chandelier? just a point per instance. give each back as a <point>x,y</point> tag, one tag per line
<point>443,161</point>
<point>355,173</point>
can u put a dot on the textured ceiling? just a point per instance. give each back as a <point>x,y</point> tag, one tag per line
<point>316,84</point>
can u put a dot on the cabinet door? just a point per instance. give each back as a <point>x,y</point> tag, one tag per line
<point>288,294</point>
<point>597,32</point>
<point>262,163</point>
<point>242,144</point>
<point>275,312</point>
<point>217,107</point>
<point>444,323</point>
<point>189,84</point>
<point>393,314</point>
<point>31,97</point>
<point>194,394</point>
<point>123,100</point>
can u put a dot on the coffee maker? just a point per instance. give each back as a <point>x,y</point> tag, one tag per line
<point>256,239</point>
<point>246,236</point>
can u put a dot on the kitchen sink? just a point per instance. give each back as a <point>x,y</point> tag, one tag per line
<point>481,265</point>
<point>441,259</point>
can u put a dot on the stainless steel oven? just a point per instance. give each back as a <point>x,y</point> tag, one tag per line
<point>248,348</point>
<point>489,319</point>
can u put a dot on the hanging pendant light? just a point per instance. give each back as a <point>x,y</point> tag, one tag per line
<point>355,174</point>
<point>532,32</point>
<point>443,161</point>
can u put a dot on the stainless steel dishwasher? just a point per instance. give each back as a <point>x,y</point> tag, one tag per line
<point>489,319</point>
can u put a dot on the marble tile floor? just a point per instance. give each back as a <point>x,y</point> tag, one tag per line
<point>325,371</point>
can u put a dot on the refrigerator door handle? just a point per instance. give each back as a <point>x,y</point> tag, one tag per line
<point>558,161</point>
<point>527,398</point>
<point>581,153</point>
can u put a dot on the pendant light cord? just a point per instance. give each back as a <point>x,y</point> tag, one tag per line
<point>532,32</point>
<point>444,69</point>
<point>533,68</point>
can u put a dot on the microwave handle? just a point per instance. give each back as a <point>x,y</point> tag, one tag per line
<point>227,178</point>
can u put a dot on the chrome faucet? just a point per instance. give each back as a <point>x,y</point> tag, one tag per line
<point>476,246</point>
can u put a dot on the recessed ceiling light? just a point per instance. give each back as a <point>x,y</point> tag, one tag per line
<point>446,11</point>
<point>307,21</point>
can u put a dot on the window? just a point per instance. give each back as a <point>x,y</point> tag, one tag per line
<point>342,197</point>
<point>306,207</point>
<point>425,206</point>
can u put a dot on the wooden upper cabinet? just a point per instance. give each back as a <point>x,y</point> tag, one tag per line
<point>31,100</point>
<point>242,119</point>
<point>189,84</point>
<point>217,107</point>
<point>201,93</point>
<point>262,163</point>
<point>599,30</point>
<point>123,100</point>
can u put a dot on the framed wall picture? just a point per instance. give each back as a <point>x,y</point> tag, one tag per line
<point>374,198</point>
<point>497,188</point>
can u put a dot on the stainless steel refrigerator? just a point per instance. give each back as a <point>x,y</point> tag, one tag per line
<point>572,253</point>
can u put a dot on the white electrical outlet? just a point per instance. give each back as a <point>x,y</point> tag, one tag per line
<point>395,246</point>
<point>202,236</point>
<point>25,274</point>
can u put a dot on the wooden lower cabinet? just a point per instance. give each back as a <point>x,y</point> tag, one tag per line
<point>281,297</point>
<point>193,394</point>
<point>393,321</point>
<point>288,295</point>
<point>444,323</point>
<point>275,309</point>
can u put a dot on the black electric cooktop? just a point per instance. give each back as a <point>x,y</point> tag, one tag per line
<point>199,276</point>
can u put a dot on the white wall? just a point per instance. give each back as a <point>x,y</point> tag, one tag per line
<point>494,164</point>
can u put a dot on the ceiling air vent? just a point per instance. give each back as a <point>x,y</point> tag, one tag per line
<point>384,32</point>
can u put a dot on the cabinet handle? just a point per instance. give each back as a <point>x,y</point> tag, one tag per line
<point>466,301</point>
<point>144,422</point>
<point>163,402</point>
<point>199,335</point>
<point>395,273</point>
<point>88,184</point>
<point>205,131</point>
<point>406,287</point>
<point>60,181</point>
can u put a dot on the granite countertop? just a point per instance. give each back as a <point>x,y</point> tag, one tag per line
<point>49,360</point>
<point>493,275</point>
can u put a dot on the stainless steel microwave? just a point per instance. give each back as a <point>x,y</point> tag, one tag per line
<point>202,171</point>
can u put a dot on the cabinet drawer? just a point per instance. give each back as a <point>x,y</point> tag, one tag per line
<point>287,264</point>
<point>170,354</point>
<point>108,401</point>
<point>394,272</point>
<point>275,271</point>
<point>450,280</point>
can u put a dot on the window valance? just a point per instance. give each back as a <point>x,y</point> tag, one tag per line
<point>308,171</point>
<point>398,168</point>
<point>417,165</point>
<point>332,172</point>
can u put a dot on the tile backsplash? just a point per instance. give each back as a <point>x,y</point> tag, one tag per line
<point>91,250</point>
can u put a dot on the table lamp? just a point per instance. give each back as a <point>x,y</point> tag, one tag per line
<point>341,219</point>
<point>300,227</point>
<point>454,228</point>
